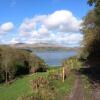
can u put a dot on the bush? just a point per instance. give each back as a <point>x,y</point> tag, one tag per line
<point>15,62</point>
<point>43,89</point>
<point>72,63</point>
<point>38,65</point>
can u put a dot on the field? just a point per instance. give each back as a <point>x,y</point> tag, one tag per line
<point>21,86</point>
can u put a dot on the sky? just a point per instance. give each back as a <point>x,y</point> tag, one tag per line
<point>42,21</point>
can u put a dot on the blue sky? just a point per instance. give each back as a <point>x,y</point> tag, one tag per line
<point>32,18</point>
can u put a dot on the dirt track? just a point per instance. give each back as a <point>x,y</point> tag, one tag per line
<point>96,91</point>
<point>78,90</point>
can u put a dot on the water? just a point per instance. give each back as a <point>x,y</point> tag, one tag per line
<point>55,58</point>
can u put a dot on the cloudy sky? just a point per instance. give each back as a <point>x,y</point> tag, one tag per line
<point>42,21</point>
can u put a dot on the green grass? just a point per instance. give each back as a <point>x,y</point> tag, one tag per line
<point>87,88</point>
<point>22,86</point>
<point>19,87</point>
<point>65,88</point>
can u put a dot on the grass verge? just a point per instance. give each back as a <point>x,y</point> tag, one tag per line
<point>22,86</point>
<point>87,88</point>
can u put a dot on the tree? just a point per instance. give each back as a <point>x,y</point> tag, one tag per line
<point>96,8</point>
<point>15,62</point>
<point>88,31</point>
<point>91,31</point>
<point>7,63</point>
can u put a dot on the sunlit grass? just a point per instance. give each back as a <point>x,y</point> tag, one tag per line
<point>22,86</point>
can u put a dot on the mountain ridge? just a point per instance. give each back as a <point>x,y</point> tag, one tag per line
<point>42,46</point>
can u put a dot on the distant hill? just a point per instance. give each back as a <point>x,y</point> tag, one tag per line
<point>42,47</point>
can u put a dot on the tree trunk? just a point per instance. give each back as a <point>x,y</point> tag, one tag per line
<point>6,77</point>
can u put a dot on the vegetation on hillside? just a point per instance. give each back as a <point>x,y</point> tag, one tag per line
<point>91,32</point>
<point>15,62</point>
<point>41,86</point>
<point>72,63</point>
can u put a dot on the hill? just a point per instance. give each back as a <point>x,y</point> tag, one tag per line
<point>43,47</point>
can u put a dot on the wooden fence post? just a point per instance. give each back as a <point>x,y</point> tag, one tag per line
<point>63,73</point>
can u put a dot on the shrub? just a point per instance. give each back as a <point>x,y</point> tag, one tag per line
<point>72,63</point>
<point>43,89</point>
<point>15,62</point>
<point>69,65</point>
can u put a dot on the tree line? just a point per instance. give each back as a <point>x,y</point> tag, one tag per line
<point>91,32</point>
<point>15,62</point>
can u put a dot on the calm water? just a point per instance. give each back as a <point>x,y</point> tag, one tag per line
<point>54,58</point>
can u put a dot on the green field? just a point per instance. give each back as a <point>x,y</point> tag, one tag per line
<point>21,86</point>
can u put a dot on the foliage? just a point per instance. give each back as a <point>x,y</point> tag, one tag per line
<point>89,37</point>
<point>48,88</point>
<point>15,62</point>
<point>43,88</point>
<point>72,63</point>
<point>91,30</point>
<point>87,87</point>
<point>21,88</point>
<point>96,4</point>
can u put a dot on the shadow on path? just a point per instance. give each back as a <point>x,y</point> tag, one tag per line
<point>93,74</point>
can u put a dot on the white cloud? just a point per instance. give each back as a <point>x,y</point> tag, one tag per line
<point>59,21</point>
<point>63,21</point>
<point>60,38</point>
<point>14,40</point>
<point>59,27</point>
<point>43,30</point>
<point>6,27</point>
<point>26,27</point>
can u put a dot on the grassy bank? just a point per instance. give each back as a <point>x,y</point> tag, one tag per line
<point>87,88</point>
<point>21,86</point>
